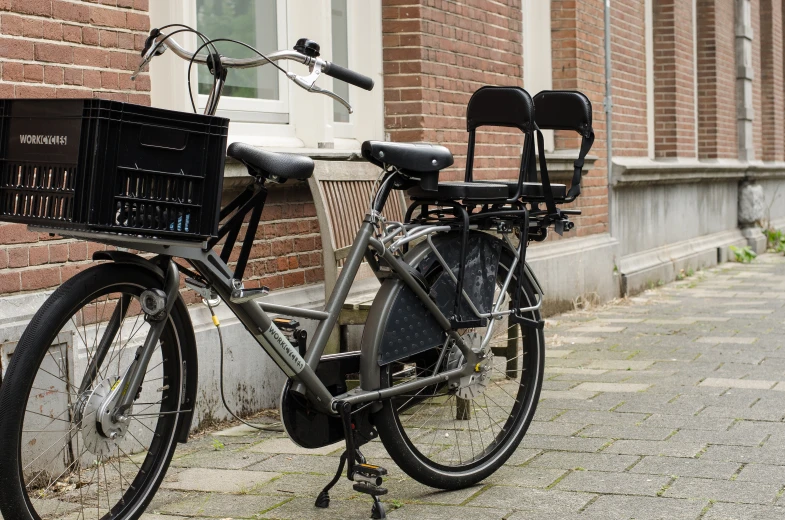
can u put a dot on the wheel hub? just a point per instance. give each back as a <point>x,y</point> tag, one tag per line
<point>100,433</point>
<point>474,385</point>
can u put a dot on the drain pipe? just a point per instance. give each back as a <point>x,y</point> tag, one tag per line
<point>608,104</point>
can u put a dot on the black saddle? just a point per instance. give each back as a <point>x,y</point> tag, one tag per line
<point>283,165</point>
<point>412,158</point>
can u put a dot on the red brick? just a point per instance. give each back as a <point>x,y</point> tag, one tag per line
<point>37,7</point>
<point>90,36</point>
<point>91,57</point>
<point>16,49</point>
<point>54,53</point>
<point>58,253</point>
<point>107,38</point>
<point>52,30</point>
<point>107,17</point>
<point>92,78</point>
<point>142,5</point>
<point>42,278</point>
<point>34,72</point>
<point>11,24</point>
<point>10,283</point>
<point>72,33</point>
<point>109,80</point>
<point>138,22</point>
<point>39,255</point>
<point>18,257</point>
<point>16,234</point>
<point>125,40</point>
<point>77,251</point>
<point>53,75</point>
<point>13,71</point>
<point>70,11</point>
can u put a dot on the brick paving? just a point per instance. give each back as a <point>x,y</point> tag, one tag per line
<point>666,405</point>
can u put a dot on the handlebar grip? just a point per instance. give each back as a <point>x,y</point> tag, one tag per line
<point>349,76</point>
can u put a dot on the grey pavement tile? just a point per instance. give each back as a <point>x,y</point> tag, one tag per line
<point>426,512</point>
<point>545,442</point>
<point>532,501</point>
<point>554,428</point>
<point>627,432</point>
<point>601,417</point>
<point>219,505</point>
<point>723,511</point>
<point>723,490</point>
<point>303,508</point>
<point>688,422</point>
<point>643,508</point>
<point>525,477</point>
<point>588,461</point>
<point>612,483</point>
<point>220,480</point>
<point>686,467</point>
<point>731,437</point>
<point>660,448</point>
<point>765,473</point>
<point>219,459</point>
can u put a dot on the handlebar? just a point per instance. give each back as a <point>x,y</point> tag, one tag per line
<point>157,43</point>
<point>349,76</point>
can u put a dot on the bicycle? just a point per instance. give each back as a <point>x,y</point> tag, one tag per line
<point>455,291</point>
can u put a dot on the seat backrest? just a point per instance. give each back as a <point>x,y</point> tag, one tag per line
<point>500,106</point>
<point>342,194</point>
<point>563,110</point>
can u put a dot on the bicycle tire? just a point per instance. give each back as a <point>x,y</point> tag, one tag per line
<point>33,348</point>
<point>408,455</point>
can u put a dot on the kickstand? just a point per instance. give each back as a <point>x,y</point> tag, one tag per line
<point>323,500</point>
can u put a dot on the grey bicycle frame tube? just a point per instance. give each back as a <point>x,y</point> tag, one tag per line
<point>266,333</point>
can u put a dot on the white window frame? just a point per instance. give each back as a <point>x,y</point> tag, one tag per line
<point>537,58</point>
<point>259,110</point>
<point>345,130</point>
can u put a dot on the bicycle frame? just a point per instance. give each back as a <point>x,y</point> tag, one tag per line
<point>254,316</point>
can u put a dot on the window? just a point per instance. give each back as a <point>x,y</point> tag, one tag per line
<point>257,94</point>
<point>340,55</point>
<point>265,108</point>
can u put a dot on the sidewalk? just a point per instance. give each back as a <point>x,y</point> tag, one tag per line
<point>669,405</point>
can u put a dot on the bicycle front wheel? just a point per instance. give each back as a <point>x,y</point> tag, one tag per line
<point>57,459</point>
<point>450,437</point>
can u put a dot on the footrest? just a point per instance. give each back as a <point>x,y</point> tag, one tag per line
<point>369,489</point>
<point>369,470</point>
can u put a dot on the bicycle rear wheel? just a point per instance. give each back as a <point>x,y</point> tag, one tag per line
<point>57,461</point>
<point>450,438</point>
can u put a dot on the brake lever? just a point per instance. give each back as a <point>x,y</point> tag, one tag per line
<point>308,83</point>
<point>156,49</point>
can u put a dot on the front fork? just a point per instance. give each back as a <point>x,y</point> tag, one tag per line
<point>124,390</point>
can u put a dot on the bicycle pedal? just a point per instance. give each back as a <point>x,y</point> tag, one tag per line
<point>369,470</point>
<point>369,489</point>
<point>286,323</point>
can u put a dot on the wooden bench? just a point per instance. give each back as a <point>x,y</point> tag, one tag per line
<point>342,194</point>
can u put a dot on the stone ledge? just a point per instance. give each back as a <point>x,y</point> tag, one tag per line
<point>632,171</point>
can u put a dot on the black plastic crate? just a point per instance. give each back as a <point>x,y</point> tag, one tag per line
<point>92,164</point>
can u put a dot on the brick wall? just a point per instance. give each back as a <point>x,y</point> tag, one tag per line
<point>287,250</point>
<point>772,80</point>
<point>628,45</point>
<point>579,64</point>
<point>436,54</point>
<point>717,129</point>
<point>63,49</point>
<point>674,79</point>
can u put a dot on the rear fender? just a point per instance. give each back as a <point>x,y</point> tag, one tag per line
<point>382,320</point>
<point>190,360</point>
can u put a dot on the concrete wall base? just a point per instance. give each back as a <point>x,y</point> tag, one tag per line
<point>641,271</point>
<point>576,271</point>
